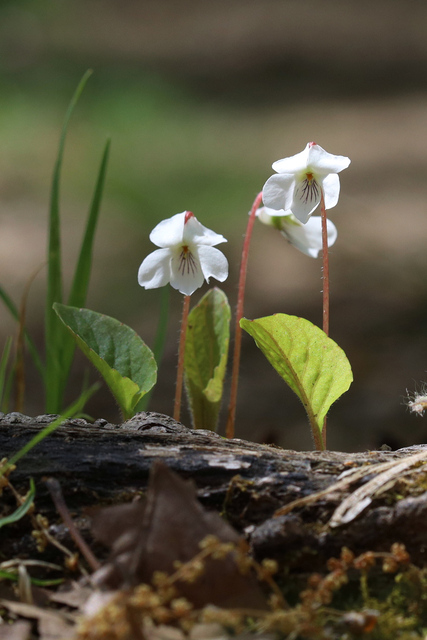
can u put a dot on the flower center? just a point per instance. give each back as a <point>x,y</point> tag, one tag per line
<point>187,263</point>
<point>310,189</point>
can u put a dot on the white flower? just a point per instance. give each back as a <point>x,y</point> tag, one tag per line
<point>186,257</point>
<point>301,179</point>
<point>305,237</point>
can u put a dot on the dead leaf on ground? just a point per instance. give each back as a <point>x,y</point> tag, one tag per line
<point>151,535</point>
<point>17,631</point>
<point>47,619</point>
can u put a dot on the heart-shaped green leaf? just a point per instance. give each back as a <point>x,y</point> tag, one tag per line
<point>122,358</point>
<point>312,364</point>
<point>206,351</point>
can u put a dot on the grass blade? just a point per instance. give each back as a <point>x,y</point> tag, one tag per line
<point>9,575</point>
<point>54,331</point>
<point>81,279</point>
<point>82,274</point>
<point>30,344</point>
<point>3,367</point>
<point>22,509</point>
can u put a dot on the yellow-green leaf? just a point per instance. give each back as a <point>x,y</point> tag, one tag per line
<point>310,362</point>
<point>206,351</point>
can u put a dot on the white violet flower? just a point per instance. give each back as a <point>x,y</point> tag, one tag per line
<point>301,179</point>
<point>186,257</point>
<point>305,237</point>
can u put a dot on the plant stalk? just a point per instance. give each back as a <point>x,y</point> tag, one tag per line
<point>231,416</point>
<point>325,258</point>
<point>181,353</point>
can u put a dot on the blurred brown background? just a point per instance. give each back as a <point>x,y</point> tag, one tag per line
<point>199,99</point>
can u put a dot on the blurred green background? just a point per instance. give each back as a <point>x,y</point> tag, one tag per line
<point>199,99</point>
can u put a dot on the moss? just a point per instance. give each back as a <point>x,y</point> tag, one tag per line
<point>377,595</point>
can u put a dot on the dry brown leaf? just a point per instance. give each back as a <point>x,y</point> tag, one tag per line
<point>75,596</point>
<point>167,528</point>
<point>33,612</point>
<point>55,629</point>
<point>17,631</point>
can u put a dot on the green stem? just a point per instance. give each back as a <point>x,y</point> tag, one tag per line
<point>229,431</point>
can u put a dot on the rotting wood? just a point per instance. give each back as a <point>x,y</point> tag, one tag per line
<point>103,463</point>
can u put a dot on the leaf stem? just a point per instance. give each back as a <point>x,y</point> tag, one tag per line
<point>231,416</point>
<point>325,258</point>
<point>181,353</point>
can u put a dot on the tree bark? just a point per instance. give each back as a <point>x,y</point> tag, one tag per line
<point>381,496</point>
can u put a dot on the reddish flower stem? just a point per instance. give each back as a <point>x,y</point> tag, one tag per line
<point>181,353</point>
<point>231,416</point>
<point>325,258</point>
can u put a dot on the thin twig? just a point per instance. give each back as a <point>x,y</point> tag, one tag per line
<point>58,499</point>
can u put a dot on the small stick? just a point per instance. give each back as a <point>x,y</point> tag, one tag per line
<point>229,431</point>
<point>181,353</point>
<point>58,499</point>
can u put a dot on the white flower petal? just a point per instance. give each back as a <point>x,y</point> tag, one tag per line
<point>155,269</point>
<point>273,218</point>
<point>196,233</point>
<point>213,263</point>
<point>186,272</point>
<point>169,233</point>
<point>308,237</point>
<point>266,211</point>
<point>181,239</point>
<point>306,199</point>
<point>323,162</point>
<point>278,192</point>
<point>293,164</point>
<point>331,190</point>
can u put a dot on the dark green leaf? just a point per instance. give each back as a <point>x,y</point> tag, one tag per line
<point>123,359</point>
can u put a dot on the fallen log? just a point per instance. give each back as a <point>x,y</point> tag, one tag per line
<point>299,506</point>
